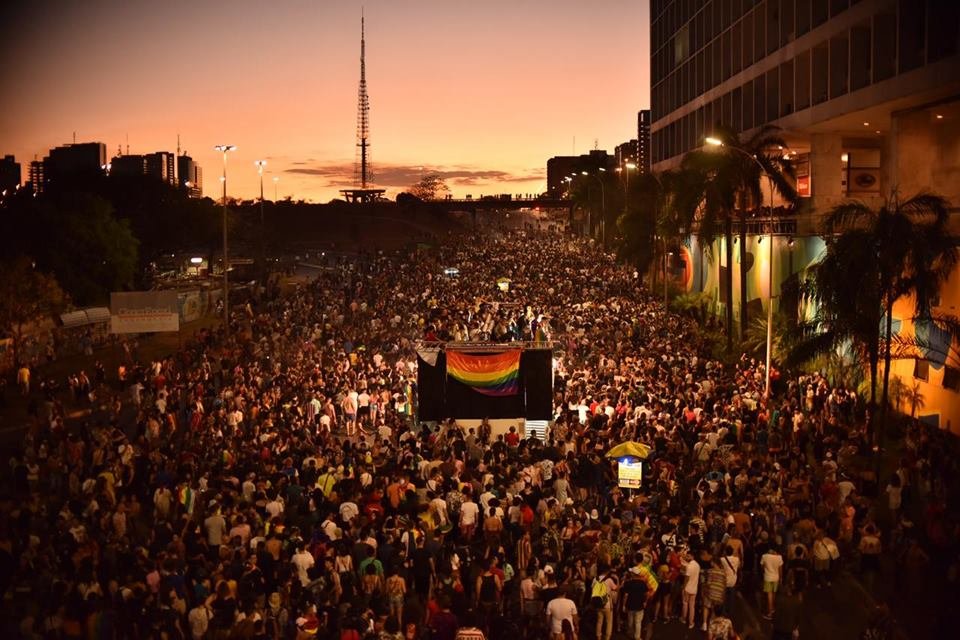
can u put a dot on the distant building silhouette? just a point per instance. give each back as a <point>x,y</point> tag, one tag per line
<point>127,165</point>
<point>9,174</point>
<point>560,167</point>
<point>72,160</point>
<point>189,176</point>
<point>643,141</point>
<point>159,165</point>
<point>626,152</point>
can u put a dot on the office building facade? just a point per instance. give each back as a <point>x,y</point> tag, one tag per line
<point>867,94</point>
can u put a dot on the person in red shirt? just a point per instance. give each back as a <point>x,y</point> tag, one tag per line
<point>512,438</point>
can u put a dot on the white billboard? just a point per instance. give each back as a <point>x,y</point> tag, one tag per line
<point>144,312</point>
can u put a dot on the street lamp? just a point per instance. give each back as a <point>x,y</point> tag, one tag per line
<point>276,179</point>
<point>260,164</point>
<point>603,205</point>
<point>225,148</point>
<point>716,142</point>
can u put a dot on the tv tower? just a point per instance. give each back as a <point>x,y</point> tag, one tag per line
<point>362,175</point>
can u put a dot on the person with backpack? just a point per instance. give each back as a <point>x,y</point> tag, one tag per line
<point>603,595</point>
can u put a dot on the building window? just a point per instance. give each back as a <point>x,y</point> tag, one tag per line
<point>921,370</point>
<point>860,56</point>
<point>681,45</point>
<point>943,22</point>
<point>821,72</point>
<point>819,12</point>
<point>803,17</point>
<point>912,22</point>
<point>839,65</point>
<point>951,378</point>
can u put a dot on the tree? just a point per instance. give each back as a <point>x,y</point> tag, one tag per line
<point>26,294</point>
<point>429,187</point>
<point>722,183</point>
<point>77,238</point>
<point>638,222</point>
<point>872,260</point>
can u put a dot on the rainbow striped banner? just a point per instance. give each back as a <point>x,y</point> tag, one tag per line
<point>492,374</point>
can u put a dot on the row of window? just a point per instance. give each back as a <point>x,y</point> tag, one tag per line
<point>951,375</point>
<point>899,38</point>
<point>849,61</point>
<point>687,26</point>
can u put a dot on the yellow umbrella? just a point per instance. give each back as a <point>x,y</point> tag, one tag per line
<point>629,449</point>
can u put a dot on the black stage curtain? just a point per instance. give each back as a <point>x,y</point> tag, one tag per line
<point>430,388</point>
<point>536,371</point>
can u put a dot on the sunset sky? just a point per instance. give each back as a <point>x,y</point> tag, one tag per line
<point>481,91</point>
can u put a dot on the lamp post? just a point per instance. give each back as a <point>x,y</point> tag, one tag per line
<point>225,148</point>
<point>260,164</point>
<point>603,204</point>
<point>716,142</point>
<point>276,179</point>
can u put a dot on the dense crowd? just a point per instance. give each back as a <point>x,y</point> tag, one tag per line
<point>273,482</point>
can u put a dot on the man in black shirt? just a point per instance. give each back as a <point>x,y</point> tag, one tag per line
<point>634,595</point>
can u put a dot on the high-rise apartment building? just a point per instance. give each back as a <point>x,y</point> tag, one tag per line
<point>867,95</point>
<point>643,141</point>
<point>190,176</point>
<point>37,176</point>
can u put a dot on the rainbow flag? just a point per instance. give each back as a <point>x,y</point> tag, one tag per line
<point>492,374</point>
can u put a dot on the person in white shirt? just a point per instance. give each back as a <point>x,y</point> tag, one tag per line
<point>302,560</point>
<point>559,609</point>
<point>199,621</point>
<point>691,585</point>
<point>730,563</point>
<point>772,564</point>
<point>468,517</point>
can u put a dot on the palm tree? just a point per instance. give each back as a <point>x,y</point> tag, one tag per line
<point>915,256</point>
<point>638,223</point>
<point>873,259</point>
<point>720,180</point>
<point>914,397</point>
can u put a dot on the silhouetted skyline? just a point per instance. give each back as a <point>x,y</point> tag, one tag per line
<point>482,93</point>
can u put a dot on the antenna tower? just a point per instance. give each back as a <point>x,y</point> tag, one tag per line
<point>362,174</point>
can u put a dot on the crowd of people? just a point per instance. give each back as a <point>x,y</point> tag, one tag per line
<point>273,481</point>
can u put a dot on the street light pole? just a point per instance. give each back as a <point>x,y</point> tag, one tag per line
<point>716,142</point>
<point>225,148</point>
<point>276,179</point>
<point>603,204</point>
<point>260,164</point>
